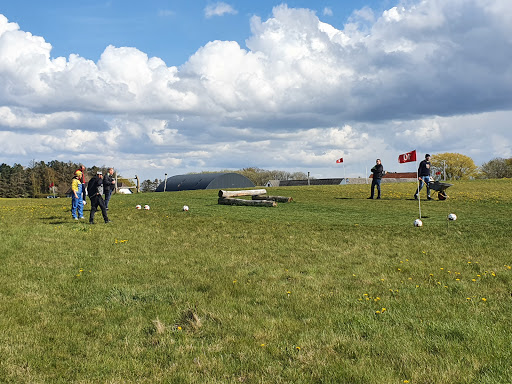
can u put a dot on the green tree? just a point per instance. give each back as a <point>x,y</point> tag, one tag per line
<point>497,168</point>
<point>149,186</point>
<point>456,166</point>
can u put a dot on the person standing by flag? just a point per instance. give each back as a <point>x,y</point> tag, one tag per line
<point>424,176</point>
<point>378,172</point>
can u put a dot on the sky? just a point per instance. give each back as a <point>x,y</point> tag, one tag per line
<point>172,87</point>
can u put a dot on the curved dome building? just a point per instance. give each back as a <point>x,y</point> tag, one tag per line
<point>204,181</point>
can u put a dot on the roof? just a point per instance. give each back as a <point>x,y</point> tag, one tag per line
<point>205,181</point>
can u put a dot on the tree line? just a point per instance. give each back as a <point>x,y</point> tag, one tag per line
<point>460,167</point>
<point>40,179</point>
<point>37,179</point>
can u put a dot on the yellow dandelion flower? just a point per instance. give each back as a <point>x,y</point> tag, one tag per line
<point>262,345</point>
<point>377,312</point>
<point>297,348</point>
<point>484,299</point>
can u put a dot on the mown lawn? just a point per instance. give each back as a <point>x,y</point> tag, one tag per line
<point>330,288</point>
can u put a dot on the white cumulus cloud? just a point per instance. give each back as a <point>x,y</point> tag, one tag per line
<point>431,75</point>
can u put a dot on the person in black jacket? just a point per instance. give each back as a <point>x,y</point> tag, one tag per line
<point>95,190</point>
<point>108,185</point>
<point>378,172</point>
<point>424,176</point>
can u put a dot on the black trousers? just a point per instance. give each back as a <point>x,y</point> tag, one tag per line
<point>96,201</point>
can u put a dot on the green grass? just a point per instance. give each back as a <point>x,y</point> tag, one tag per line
<point>330,288</point>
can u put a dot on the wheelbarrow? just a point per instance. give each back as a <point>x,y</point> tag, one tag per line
<point>441,188</point>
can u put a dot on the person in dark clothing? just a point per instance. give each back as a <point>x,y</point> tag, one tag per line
<point>378,172</point>
<point>108,186</point>
<point>95,190</point>
<point>424,176</point>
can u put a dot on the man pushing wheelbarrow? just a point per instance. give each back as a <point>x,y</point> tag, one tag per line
<point>424,179</point>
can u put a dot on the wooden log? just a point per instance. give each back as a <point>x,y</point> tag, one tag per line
<point>257,203</point>
<point>247,192</point>
<point>279,199</point>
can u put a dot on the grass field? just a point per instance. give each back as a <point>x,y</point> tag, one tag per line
<point>330,288</point>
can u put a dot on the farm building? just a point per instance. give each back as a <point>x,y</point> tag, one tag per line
<point>205,181</point>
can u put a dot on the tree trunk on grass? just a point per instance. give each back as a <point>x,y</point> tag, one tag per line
<point>279,199</point>
<point>247,192</point>
<point>257,203</point>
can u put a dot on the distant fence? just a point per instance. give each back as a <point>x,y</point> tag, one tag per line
<point>137,184</point>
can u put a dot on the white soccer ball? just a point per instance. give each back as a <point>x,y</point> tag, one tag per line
<point>185,208</point>
<point>146,207</point>
<point>452,217</point>
<point>418,223</point>
<point>138,206</point>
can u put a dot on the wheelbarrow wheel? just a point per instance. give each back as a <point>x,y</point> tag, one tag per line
<point>442,195</point>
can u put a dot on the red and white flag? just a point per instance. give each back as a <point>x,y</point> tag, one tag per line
<point>407,157</point>
<point>340,160</point>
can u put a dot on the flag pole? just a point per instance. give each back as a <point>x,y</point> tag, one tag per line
<point>418,185</point>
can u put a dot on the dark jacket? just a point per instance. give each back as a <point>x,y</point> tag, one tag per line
<point>378,171</point>
<point>95,186</point>
<point>424,168</point>
<point>108,182</point>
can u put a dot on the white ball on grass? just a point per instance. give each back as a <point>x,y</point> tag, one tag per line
<point>418,223</point>
<point>146,207</point>
<point>138,206</point>
<point>185,208</point>
<point>452,217</point>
